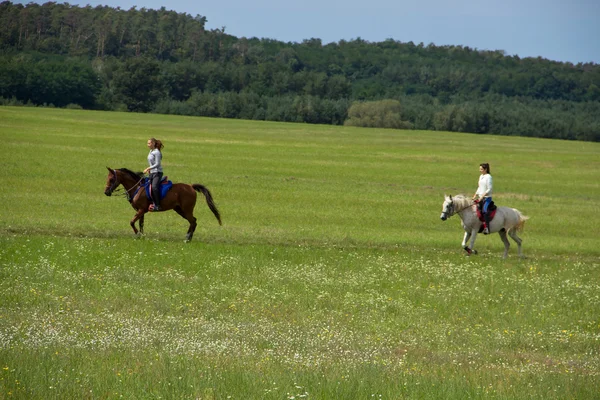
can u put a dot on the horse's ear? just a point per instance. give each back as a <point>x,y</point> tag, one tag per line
<point>450,197</point>
<point>108,168</point>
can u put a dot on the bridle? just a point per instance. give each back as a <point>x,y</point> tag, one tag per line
<point>116,182</point>
<point>452,211</point>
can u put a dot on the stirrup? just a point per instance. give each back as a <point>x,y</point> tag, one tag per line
<point>153,207</point>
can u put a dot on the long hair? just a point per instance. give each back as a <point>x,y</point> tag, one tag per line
<point>486,166</point>
<point>157,144</point>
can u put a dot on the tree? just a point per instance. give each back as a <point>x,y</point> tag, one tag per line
<point>439,87</point>
<point>137,84</point>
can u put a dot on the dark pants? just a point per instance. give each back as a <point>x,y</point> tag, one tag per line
<point>155,179</point>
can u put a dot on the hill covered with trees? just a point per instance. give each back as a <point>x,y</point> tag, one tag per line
<point>161,61</point>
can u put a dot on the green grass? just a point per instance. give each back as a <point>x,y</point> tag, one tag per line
<point>331,278</point>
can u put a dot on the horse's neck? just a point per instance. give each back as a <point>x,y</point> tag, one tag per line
<point>128,182</point>
<point>466,213</point>
<point>465,209</point>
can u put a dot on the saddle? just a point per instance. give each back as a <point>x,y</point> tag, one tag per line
<point>165,186</point>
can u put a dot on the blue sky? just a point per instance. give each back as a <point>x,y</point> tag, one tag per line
<point>560,30</point>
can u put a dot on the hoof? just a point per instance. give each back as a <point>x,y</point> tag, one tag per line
<point>474,252</point>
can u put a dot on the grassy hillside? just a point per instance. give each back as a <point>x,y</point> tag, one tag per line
<point>332,276</point>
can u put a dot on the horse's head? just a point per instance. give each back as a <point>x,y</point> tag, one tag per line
<point>447,208</point>
<point>112,181</point>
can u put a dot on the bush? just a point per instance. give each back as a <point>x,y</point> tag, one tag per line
<point>377,114</point>
<point>10,102</point>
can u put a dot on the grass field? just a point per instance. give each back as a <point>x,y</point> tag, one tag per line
<point>332,276</point>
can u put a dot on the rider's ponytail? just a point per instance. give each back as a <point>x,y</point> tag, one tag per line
<point>157,144</point>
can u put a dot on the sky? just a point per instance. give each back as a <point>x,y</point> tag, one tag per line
<point>559,30</point>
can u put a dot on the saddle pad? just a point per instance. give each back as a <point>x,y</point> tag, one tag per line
<point>492,214</point>
<point>165,186</point>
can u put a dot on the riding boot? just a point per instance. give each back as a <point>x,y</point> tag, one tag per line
<point>156,191</point>
<point>486,226</point>
<point>156,197</point>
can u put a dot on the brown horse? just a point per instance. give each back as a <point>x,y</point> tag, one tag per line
<point>181,198</point>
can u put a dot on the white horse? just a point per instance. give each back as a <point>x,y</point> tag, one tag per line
<point>507,220</point>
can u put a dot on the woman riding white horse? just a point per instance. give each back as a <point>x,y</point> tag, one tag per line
<point>483,195</point>
<point>507,221</point>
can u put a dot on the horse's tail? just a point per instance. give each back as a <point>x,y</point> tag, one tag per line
<point>209,200</point>
<point>521,223</point>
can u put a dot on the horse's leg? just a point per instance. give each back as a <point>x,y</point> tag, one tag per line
<point>179,211</point>
<point>140,205</point>
<point>517,239</point>
<point>191,219</point>
<point>464,242</point>
<point>502,234</point>
<point>139,214</point>
<point>192,228</point>
<point>473,236</point>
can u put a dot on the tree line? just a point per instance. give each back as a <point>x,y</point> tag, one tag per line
<point>144,60</point>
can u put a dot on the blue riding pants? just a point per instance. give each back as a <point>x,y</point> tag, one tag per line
<point>486,204</point>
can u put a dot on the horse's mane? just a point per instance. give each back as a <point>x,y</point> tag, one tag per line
<point>134,175</point>
<point>461,201</point>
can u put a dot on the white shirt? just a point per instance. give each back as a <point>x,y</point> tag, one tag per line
<point>485,186</point>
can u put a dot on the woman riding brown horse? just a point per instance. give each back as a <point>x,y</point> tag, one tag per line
<point>181,198</point>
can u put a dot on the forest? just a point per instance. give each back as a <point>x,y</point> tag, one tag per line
<point>161,61</point>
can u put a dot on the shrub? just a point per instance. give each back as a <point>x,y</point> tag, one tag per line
<point>377,114</point>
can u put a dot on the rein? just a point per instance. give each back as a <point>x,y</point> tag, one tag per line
<point>116,191</point>
<point>464,208</point>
